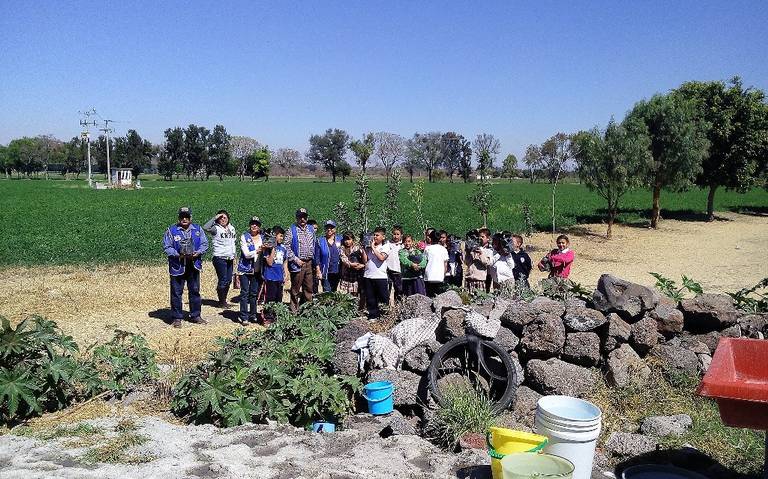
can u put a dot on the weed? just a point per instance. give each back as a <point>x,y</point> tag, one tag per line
<point>464,410</point>
<point>115,450</point>
<point>81,430</point>
<point>670,289</point>
<point>754,299</point>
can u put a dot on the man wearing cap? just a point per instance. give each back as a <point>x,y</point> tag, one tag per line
<point>185,243</point>
<point>328,257</point>
<point>249,270</point>
<point>300,248</point>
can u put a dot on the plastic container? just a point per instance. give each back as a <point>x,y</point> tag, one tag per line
<point>737,379</point>
<point>502,441</point>
<point>320,426</point>
<point>530,465</point>
<point>572,426</point>
<point>380,397</point>
<point>652,471</point>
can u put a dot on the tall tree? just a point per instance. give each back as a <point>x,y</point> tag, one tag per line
<point>138,153</point>
<point>486,148</point>
<point>25,155</point>
<point>555,153</point>
<point>74,156</point>
<point>533,160</point>
<point>195,150</point>
<point>219,152</point>
<point>363,149</point>
<point>5,163</point>
<point>613,162</point>
<point>172,158</point>
<point>287,159</point>
<point>259,163</point>
<point>678,144</point>
<point>50,148</point>
<point>452,149</point>
<point>736,121</point>
<point>465,160</point>
<point>390,150</point>
<point>509,167</point>
<point>328,150</point>
<point>99,152</point>
<point>241,147</point>
<point>424,150</point>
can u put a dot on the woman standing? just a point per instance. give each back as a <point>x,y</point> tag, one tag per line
<point>223,239</point>
<point>249,269</point>
<point>352,266</point>
<point>328,258</point>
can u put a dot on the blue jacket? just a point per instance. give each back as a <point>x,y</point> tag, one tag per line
<point>172,247</point>
<point>248,265</point>
<point>292,241</point>
<point>323,253</point>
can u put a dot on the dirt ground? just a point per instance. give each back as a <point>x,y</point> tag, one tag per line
<point>91,302</point>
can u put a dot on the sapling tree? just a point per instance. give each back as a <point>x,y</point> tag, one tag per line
<point>342,217</point>
<point>678,145</point>
<point>363,149</point>
<point>416,193</point>
<point>482,197</point>
<point>389,213</point>
<point>555,153</point>
<point>361,205</point>
<point>611,163</point>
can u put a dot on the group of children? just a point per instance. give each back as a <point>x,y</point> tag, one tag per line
<point>374,269</point>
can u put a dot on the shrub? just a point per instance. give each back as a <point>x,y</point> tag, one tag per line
<point>464,410</point>
<point>281,373</point>
<point>754,299</point>
<point>124,362</point>
<point>670,289</point>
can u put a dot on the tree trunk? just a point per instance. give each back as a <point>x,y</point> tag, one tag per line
<point>333,176</point>
<point>429,174</point>
<point>655,210</point>
<point>711,203</point>
<point>611,219</point>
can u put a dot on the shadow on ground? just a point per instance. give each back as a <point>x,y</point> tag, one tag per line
<point>689,459</point>
<point>752,210</point>
<point>163,314</point>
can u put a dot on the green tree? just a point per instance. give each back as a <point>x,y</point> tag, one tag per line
<point>195,150</point>
<point>241,148</point>
<point>465,161</point>
<point>613,162</point>
<point>99,152</point>
<point>509,167</point>
<point>219,152</point>
<point>363,149</point>
<point>678,145</point>
<point>5,163</point>
<point>486,148</point>
<point>259,163</point>
<point>138,153</point>
<point>424,150</point>
<point>25,155</point>
<point>533,160</point>
<point>452,149</point>
<point>172,157</point>
<point>74,156</point>
<point>328,150</point>
<point>361,206</point>
<point>736,121</point>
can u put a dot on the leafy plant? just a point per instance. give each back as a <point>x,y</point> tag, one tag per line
<point>416,193</point>
<point>282,373</point>
<point>529,228</point>
<point>389,213</point>
<point>464,410</point>
<point>561,290</point>
<point>670,289</point>
<point>754,299</point>
<point>124,362</point>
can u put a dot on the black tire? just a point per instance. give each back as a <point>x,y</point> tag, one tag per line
<point>469,343</point>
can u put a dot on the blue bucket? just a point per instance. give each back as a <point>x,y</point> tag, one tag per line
<point>379,396</point>
<point>319,426</point>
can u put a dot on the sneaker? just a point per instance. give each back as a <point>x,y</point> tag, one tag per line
<point>176,323</point>
<point>197,320</point>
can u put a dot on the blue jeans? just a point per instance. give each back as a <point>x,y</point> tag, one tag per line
<point>331,282</point>
<point>223,267</point>
<point>191,277</point>
<point>250,284</point>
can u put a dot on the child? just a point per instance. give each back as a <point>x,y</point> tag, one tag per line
<point>351,266</point>
<point>437,265</point>
<point>502,262</point>
<point>522,263</point>
<point>274,274</point>
<point>476,260</point>
<point>412,263</point>
<point>455,273</point>
<point>559,260</point>
<point>375,257</point>
<point>393,262</point>
<point>487,248</point>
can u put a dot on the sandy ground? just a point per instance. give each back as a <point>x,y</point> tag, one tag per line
<point>91,302</point>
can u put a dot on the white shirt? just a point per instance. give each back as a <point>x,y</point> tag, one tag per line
<point>375,268</point>
<point>502,268</point>
<point>223,239</point>
<point>437,255</point>
<point>489,252</point>
<point>393,260</point>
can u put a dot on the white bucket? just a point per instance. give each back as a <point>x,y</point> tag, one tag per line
<point>572,426</point>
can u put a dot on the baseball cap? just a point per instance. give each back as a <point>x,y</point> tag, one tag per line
<point>255,220</point>
<point>301,212</point>
<point>330,223</point>
<point>185,212</point>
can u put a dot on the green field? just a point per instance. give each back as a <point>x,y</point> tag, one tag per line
<point>64,222</point>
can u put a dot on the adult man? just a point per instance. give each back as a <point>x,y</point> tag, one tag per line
<point>328,258</point>
<point>185,243</point>
<point>300,248</point>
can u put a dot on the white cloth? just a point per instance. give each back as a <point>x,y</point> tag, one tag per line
<point>244,246</point>
<point>361,348</point>
<point>502,268</point>
<point>223,240</point>
<point>393,260</point>
<point>384,353</point>
<point>376,268</point>
<point>437,255</point>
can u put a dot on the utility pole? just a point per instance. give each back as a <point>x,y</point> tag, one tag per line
<point>87,135</point>
<point>107,131</point>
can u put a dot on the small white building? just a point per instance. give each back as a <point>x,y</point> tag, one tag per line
<point>122,177</point>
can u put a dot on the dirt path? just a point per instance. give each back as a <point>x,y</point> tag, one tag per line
<point>91,302</point>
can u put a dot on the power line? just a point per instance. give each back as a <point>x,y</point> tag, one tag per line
<point>86,124</point>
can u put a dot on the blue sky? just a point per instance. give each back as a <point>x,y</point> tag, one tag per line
<point>280,71</point>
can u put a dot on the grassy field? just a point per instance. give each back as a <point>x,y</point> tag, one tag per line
<point>64,222</point>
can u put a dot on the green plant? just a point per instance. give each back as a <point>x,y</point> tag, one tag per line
<point>464,410</point>
<point>124,362</point>
<point>529,228</point>
<point>754,299</point>
<point>115,450</point>
<point>670,289</point>
<point>282,373</point>
<point>416,193</point>
<point>561,290</point>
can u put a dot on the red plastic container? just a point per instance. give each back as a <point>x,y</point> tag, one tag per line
<point>738,380</point>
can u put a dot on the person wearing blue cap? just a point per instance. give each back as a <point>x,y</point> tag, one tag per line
<point>185,243</point>
<point>328,257</point>
<point>249,270</point>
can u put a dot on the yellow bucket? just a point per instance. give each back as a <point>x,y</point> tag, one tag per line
<point>502,441</point>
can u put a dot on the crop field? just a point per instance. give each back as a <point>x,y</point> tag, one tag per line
<point>64,222</point>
